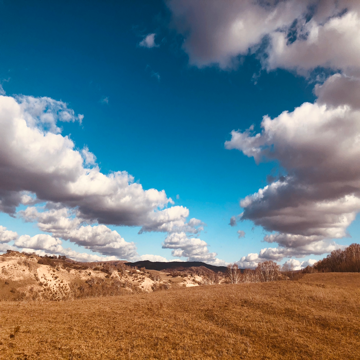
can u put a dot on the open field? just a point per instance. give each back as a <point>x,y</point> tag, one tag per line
<point>311,318</point>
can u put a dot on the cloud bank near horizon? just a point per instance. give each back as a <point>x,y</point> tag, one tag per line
<point>39,165</point>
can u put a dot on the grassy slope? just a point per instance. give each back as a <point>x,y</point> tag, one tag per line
<point>308,319</point>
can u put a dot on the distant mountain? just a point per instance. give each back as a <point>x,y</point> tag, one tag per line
<point>174,265</point>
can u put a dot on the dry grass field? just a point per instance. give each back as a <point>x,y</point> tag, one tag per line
<point>317,317</point>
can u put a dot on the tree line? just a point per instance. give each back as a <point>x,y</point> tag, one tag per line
<point>347,260</point>
<point>265,272</point>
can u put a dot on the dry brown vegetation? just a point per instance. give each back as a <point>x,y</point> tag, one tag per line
<point>347,260</point>
<point>317,317</point>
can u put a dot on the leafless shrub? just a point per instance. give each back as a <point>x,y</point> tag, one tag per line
<point>160,286</point>
<point>212,278</point>
<point>154,277</point>
<point>233,274</point>
<point>268,271</point>
<point>249,276</point>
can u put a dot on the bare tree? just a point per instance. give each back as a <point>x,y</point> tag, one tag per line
<point>233,273</point>
<point>268,271</point>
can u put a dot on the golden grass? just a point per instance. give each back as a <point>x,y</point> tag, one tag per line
<point>307,319</point>
<point>334,279</point>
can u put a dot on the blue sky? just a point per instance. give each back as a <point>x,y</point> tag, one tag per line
<point>154,112</point>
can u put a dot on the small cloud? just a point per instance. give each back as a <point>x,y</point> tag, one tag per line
<point>80,118</point>
<point>104,100</point>
<point>156,76</point>
<point>241,234</point>
<point>2,91</point>
<point>148,41</point>
<point>256,77</point>
<point>153,73</point>
<point>234,220</point>
<point>177,197</point>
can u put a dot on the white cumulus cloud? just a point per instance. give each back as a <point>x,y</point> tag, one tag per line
<point>300,35</point>
<point>153,258</point>
<point>7,235</point>
<point>293,264</point>
<point>46,165</point>
<point>45,244</point>
<point>318,146</point>
<point>61,223</point>
<point>193,249</point>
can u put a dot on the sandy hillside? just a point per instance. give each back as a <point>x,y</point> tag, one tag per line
<point>32,277</point>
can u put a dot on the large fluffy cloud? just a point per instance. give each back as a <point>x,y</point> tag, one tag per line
<point>45,244</point>
<point>216,32</point>
<point>318,145</point>
<point>281,252</point>
<point>68,225</point>
<point>172,220</point>
<point>292,34</point>
<point>331,42</point>
<point>43,162</point>
<point>294,265</point>
<point>61,223</point>
<point>42,244</point>
<point>39,164</point>
<point>193,249</point>
<point>319,148</point>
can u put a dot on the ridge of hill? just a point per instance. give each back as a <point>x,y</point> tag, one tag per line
<point>32,277</point>
<point>175,265</point>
